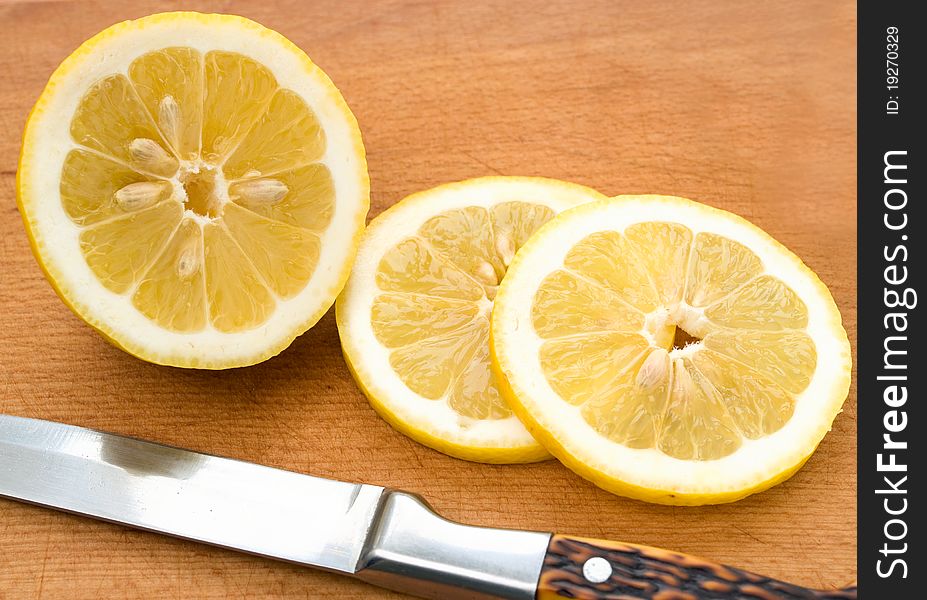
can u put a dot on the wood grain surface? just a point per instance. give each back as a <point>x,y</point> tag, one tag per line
<point>745,106</point>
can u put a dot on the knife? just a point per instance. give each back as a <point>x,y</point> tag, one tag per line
<point>383,536</point>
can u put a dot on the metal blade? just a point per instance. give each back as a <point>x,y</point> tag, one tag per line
<point>247,507</point>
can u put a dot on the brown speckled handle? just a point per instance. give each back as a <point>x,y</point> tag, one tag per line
<point>628,571</point>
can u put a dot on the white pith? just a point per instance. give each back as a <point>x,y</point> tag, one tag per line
<point>56,237</point>
<point>370,359</point>
<point>220,189</point>
<point>517,344</point>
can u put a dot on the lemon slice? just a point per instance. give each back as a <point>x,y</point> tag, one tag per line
<point>669,351</point>
<point>194,187</point>
<point>414,316</point>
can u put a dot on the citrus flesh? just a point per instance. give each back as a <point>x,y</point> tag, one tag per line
<point>194,188</point>
<point>586,339</point>
<point>414,316</point>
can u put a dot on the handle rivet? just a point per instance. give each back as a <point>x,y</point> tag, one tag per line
<point>597,570</point>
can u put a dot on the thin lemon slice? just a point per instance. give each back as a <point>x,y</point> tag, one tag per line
<point>584,345</point>
<point>194,188</point>
<point>414,316</point>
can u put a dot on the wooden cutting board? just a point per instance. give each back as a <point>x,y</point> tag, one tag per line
<point>745,106</point>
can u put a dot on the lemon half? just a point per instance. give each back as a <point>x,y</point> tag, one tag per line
<point>586,342</point>
<point>194,187</point>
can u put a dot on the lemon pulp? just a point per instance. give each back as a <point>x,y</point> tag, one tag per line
<point>608,317</point>
<point>197,186</point>
<point>434,297</point>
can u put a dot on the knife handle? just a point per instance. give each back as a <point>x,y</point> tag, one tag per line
<point>588,569</point>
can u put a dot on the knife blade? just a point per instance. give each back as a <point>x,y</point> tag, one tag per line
<point>383,536</point>
<point>218,501</point>
<point>327,524</point>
